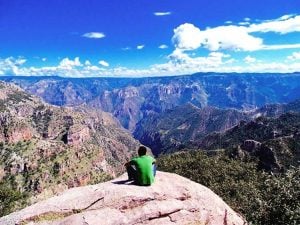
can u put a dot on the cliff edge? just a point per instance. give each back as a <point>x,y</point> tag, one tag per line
<point>172,199</point>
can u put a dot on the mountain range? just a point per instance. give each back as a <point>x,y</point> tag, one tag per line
<point>132,99</point>
<point>173,129</point>
<point>85,133</point>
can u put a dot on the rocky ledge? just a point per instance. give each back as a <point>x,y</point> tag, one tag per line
<point>172,199</point>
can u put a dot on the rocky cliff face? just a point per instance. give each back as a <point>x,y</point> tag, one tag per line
<point>170,200</point>
<point>45,149</point>
<point>274,141</point>
<point>130,100</point>
<point>175,129</point>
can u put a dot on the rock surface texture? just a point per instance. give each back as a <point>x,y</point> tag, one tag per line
<point>45,148</point>
<point>172,199</point>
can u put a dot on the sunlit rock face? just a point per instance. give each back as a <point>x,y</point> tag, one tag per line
<point>172,199</point>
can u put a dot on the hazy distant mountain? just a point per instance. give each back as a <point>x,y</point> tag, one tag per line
<point>275,110</point>
<point>131,99</point>
<point>271,133</point>
<point>173,129</point>
<point>45,148</point>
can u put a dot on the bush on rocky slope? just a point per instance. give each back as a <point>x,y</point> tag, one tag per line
<point>262,198</point>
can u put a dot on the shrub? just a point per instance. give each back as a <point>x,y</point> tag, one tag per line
<point>262,198</point>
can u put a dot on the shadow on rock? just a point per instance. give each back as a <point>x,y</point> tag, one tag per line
<point>125,182</point>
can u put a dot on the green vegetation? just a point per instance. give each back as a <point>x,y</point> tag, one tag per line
<point>10,199</point>
<point>2,105</point>
<point>42,120</point>
<point>262,198</point>
<point>47,217</point>
<point>18,96</point>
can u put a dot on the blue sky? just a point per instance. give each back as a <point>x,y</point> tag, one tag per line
<point>81,38</point>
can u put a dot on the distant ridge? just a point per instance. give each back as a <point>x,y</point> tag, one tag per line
<point>131,99</point>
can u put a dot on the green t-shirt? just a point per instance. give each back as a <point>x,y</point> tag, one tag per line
<point>144,169</point>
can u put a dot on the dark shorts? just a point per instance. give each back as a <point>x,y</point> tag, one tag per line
<point>132,172</point>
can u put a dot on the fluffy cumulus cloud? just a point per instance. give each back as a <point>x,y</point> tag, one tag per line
<point>103,63</point>
<point>69,63</point>
<point>235,37</point>
<point>95,35</point>
<point>11,65</point>
<point>182,63</point>
<point>162,13</point>
<point>232,38</point>
<point>189,37</point>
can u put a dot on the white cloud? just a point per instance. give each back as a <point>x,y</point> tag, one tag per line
<point>244,23</point>
<point>68,63</point>
<point>162,13</point>
<point>11,65</point>
<point>283,25</point>
<point>183,60</point>
<point>189,37</point>
<point>95,35</point>
<point>103,63</point>
<point>237,38</point>
<point>20,61</point>
<point>249,59</point>
<point>87,63</point>
<point>228,22</point>
<point>44,59</point>
<point>179,63</point>
<point>139,47</point>
<point>294,56</point>
<point>232,38</point>
<point>163,46</point>
<point>278,47</point>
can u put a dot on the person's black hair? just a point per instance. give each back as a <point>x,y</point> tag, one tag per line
<point>142,150</point>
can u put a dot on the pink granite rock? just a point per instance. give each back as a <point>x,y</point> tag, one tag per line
<point>172,199</point>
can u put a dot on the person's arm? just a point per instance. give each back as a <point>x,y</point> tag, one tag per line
<point>131,162</point>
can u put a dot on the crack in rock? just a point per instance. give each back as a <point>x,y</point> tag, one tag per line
<point>90,205</point>
<point>161,215</point>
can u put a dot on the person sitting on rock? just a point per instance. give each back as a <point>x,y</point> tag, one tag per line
<point>141,169</point>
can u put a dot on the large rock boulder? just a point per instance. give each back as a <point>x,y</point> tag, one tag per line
<point>172,199</point>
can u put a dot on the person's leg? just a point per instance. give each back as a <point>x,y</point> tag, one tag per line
<point>132,172</point>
